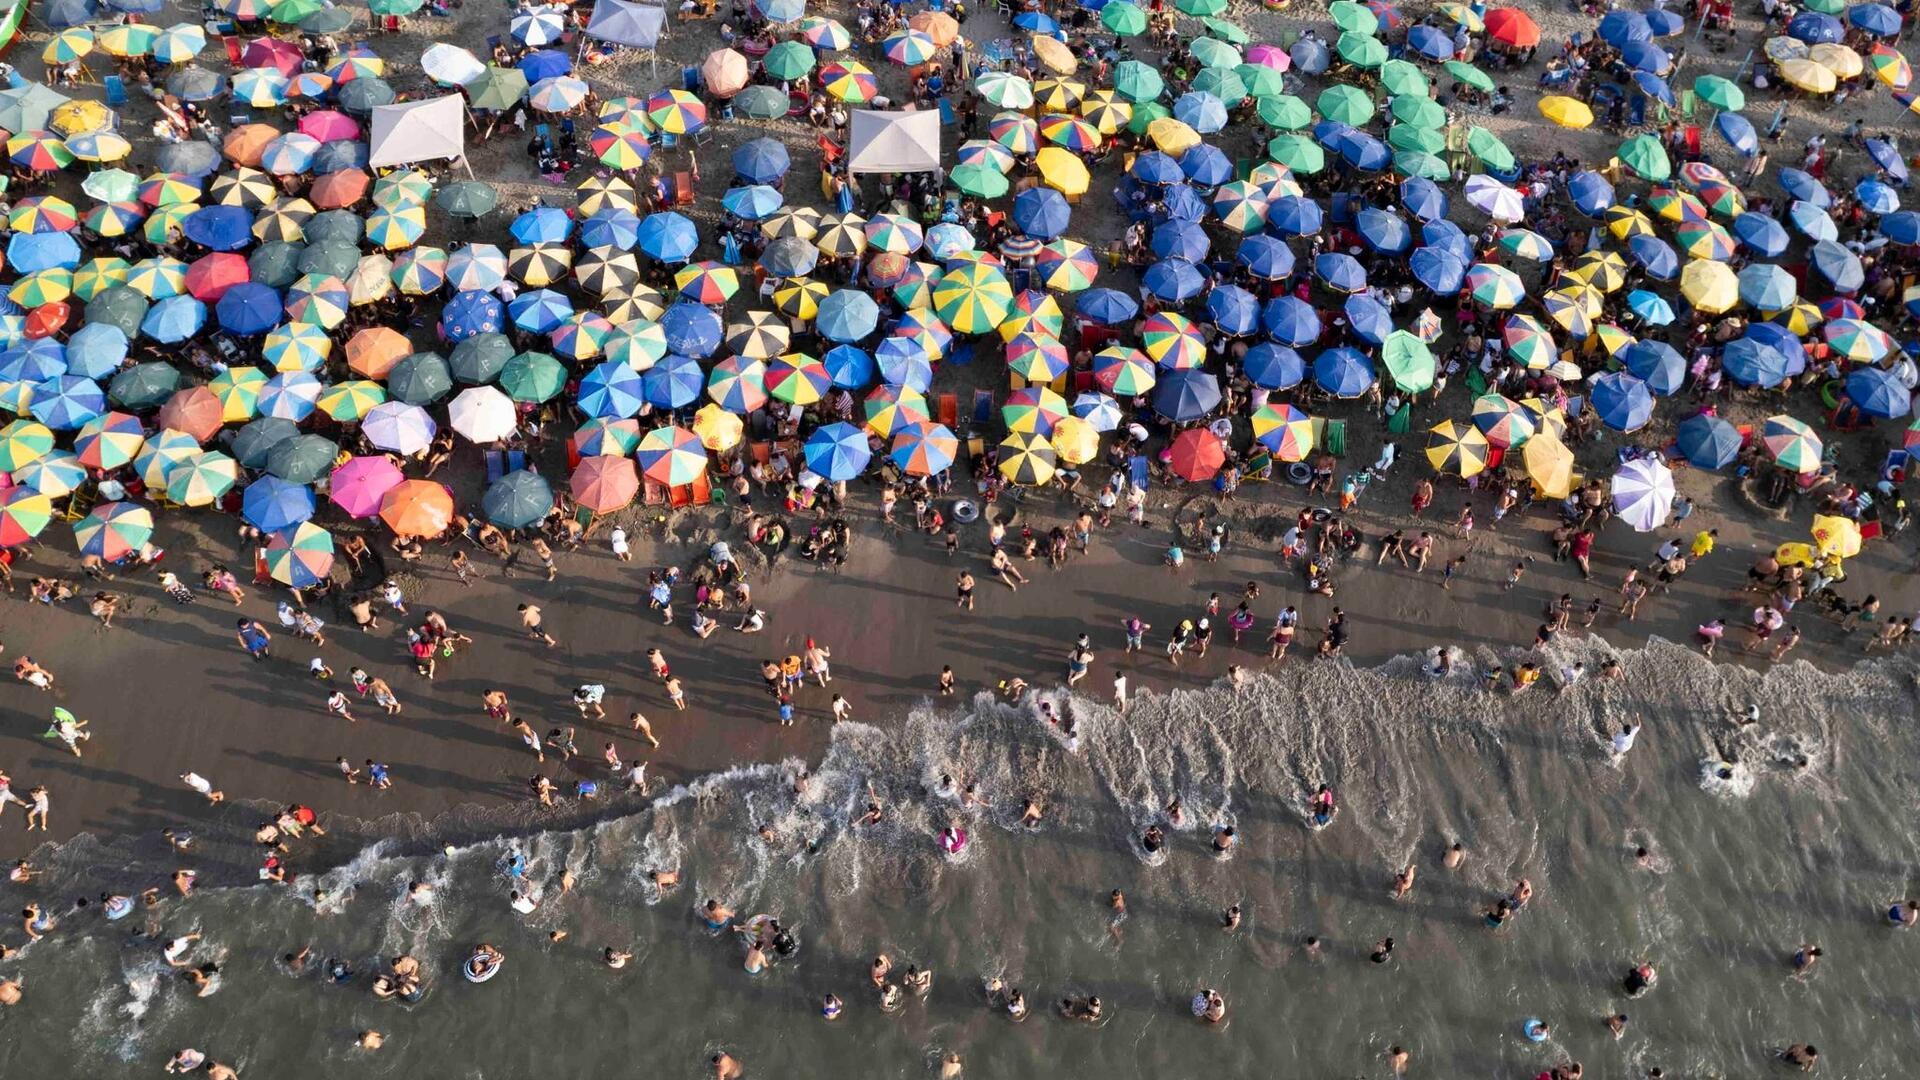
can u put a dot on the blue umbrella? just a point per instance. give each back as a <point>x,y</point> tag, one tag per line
<point>1174,280</point>
<point>1838,265</point>
<point>540,311</point>
<point>1384,230</point>
<point>1877,391</point>
<point>838,451</point>
<point>61,14</point>
<point>846,315</point>
<point>1887,156</point>
<point>1275,367</point>
<point>611,390</point>
<point>1621,401</point>
<point>1646,56</point>
<point>1655,256</point>
<point>174,320</point>
<point>1430,42</point>
<point>1708,442</point>
<point>1206,165</point>
<point>271,504</point>
<point>290,395</point>
<point>1035,22</point>
<point>848,366</point>
<point>1877,19</point>
<point>1877,197</point>
<point>752,202</point>
<point>222,228</point>
<point>339,154</point>
<point>1310,55</point>
<point>903,362</point>
<point>1739,133</point>
<point>1182,202</point>
<point>1423,198</point>
<point>1340,271</point>
<point>1201,111</point>
<point>470,313</point>
<point>64,402</point>
<point>1750,363</point>
<point>1767,287</point>
<point>1187,395</point>
<point>249,309</point>
<point>1181,239</point>
<point>948,239</point>
<point>1802,186</point>
<point>544,64</point>
<point>780,11</point>
<point>668,237</point>
<point>1901,228</point>
<point>1590,192</point>
<point>1812,221</point>
<point>1107,307</point>
<point>789,256</point>
<point>1665,23</point>
<point>542,225</point>
<point>29,252</point>
<point>692,330</point>
<point>1234,310</point>
<point>1619,27</point>
<point>1295,215</point>
<point>1369,318</point>
<point>761,161</point>
<point>1154,167</point>
<point>1781,340</point>
<point>1816,27</point>
<point>1343,372</point>
<point>96,350</point>
<point>611,227</point>
<point>35,361</point>
<point>1654,87</point>
<point>1650,307</point>
<point>1762,234</point>
<point>1041,213</point>
<point>1439,269</point>
<point>1363,151</point>
<point>1658,365</point>
<point>1291,321</point>
<point>1445,234</point>
<point>673,382</point>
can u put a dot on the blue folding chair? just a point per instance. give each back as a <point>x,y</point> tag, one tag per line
<point>116,89</point>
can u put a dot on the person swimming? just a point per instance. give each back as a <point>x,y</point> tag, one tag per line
<point>1535,1030</point>
<point>891,997</point>
<point>716,916</point>
<point>1209,1006</point>
<point>919,980</point>
<point>953,840</point>
<point>1017,1006</point>
<point>1153,839</point>
<point>483,963</point>
<point>1640,978</point>
<point>1904,914</point>
<point>831,1007</point>
<point>116,906</point>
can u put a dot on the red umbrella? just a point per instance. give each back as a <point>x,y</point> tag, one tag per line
<point>1513,27</point>
<point>605,483</point>
<point>47,319</point>
<point>210,276</point>
<point>337,190</point>
<point>1196,454</point>
<point>195,411</point>
<point>266,52</point>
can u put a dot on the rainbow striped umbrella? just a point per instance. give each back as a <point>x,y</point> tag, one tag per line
<point>23,442</point>
<point>165,450</point>
<point>1529,342</point>
<point>891,409</point>
<point>923,449</point>
<point>927,330</point>
<point>115,219</point>
<point>1172,341</point>
<point>738,384</point>
<point>1071,132</point>
<point>1502,420</point>
<point>238,391</point>
<point>850,81</point>
<point>1033,312</point>
<point>42,214</point>
<point>1122,372</point>
<point>24,514</point>
<point>676,112</point>
<point>1241,206</point>
<point>53,475</point>
<point>39,151</point>
<point>1037,358</point>
<point>1285,430</point>
<point>1027,458</point>
<point>798,379</point>
<point>420,271</point>
<point>1704,239</point>
<point>1494,286</point>
<point>97,275</point>
<point>109,440</point>
<point>909,48</point>
<point>1067,265</point>
<point>320,299</point>
<point>973,298</point>
<point>349,401</point>
<point>1791,442</point>
<point>671,455</point>
<point>1015,131</point>
<point>825,34</point>
<point>583,336</point>
<point>301,556</point>
<point>113,530</point>
<point>707,282</point>
<point>894,233</point>
<point>1033,409</point>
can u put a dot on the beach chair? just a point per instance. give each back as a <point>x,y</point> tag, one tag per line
<point>1334,439</point>
<point>702,489</point>
<point>982,408</point>
<point>1637,111</point>
<point>233,50</point>
<point>653,493</point>
<point>683,189</point>
<point>680,497</point>
<point>949,410</point>
<point>116,90</point>
<point>1692,134</point>
<point>1688,102</point>
<point>947,118</point>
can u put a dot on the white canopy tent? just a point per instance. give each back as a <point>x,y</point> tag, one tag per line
<point>419,131</point>
<point>624,23</point>
<point>894,141</point>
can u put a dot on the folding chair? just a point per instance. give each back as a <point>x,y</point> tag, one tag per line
<point>1687,103</point>
<point>702,490</point>
<point>233,50</point>
<point>949,409</point>
<point>653,493</point>
<point>681,496</point>
<point>496,465</point>
<point>116,90</point>
<point>982,407</point>
<point>682,189</point>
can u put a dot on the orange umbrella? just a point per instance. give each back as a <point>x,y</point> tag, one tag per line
<point>1196,454</point>
<point>417,508</point>
<point>939,26</point>
<point>337,190</point>
<point>195,410</point>
<point>373,352</point>
<point>605,483</point>
<point>246,143</point>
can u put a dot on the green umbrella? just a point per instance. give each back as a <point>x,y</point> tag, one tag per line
<point>1402,78</point>
<point>1226,31</point>
<point>532,377</point>
<point>1345,104</point>
<point>497,88</point>
<point>328,20</point>
<point>1826,7</point>
<point>1144,114</point>
<point>275,263</point>
<point>1486,146</point>
<point>119,306</point>
<point>1646,157</point>
<point>1354,18</point>
<point>1297,152</point>
<point>1420,112</point>
<point>1004,89</point>
<point>251,446</point>
<point>144,386</point>
<point>1212,52</point>
<point>1470,75</point>
<point>478,360</point>
<point>1284,112</point>
<point>335,227</point>
<point>472,199</point>
<point>1408,360</point>
<point>27,108</point>
<point>517,499</point>
<point>1361,50</point>
<point>289,12</point>
<point>1199,8</point>
<point>335,259</point>
<point>1720,92</point>
<point>302,459</point>
<point>1261,80</point>
<point>789,60</point>
<point>761,102</point>
<point>420,379</point>
<point>1418,139</point>
<point>1421,163</point>
<point>1137,82</point>
<point>395,7</point>
<point>1124,18</point>
<point>979,180</point>
<point>111,185</point>
<point>1221,82</point>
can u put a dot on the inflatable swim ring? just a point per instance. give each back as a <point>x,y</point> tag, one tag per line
<point>480,967</point>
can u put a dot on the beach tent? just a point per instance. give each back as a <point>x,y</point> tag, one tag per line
<point>892,142</point>
<point>622,23</point>
<point>419,131</point>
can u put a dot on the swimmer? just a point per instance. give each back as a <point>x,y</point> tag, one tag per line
<point>1617,1023</point>
<point>1805,959</point>
<point>1176,813</point>
<point>1017,1006</point>
<point>1403,882</point>
<point>755,961</point>
<point>1153,839</point>
<point>1455,857</point>
<point>664,879</point>
<point>918,981</point>
<point>1030,812</point>
<point>1322,806</point>
<point>1223,838</point>
<point>1537,1030</point>
<point>951,1067</point>
<point>831,1007</point>
<point>1382,951</point>
<point>420,893</point>
<point>725,1067</point>
<point>1642,858</point>
<point>1311,946</point>
<point>176,950</point>
<point>878,971</point>
<point>183,881</point>
<point>1640,978</point>
<point>1117,902</point>
<point>1904,914</point>
<point>297,961</point>
<point>1522,892</point>
<point>1090,1011</point>
<point>1496,916</point>
<point>484,961</point>
<point>614,958</point>
<point>370,1040</point>
<point>1397,1058</point>
<point>1801,1055</point>
<point>716,915</point>
<point>204,979</point>
<point>186,1060</point>
<point>10,992</point>
<point>1209,1006</point>
<point>1230,919</point>
<point>891,998</point>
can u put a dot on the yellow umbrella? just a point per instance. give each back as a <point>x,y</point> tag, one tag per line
<point>1624,222</point>
<point>1842,61</point>
<point>1107,111</point>
<point>1549,465</point>
<point>1809,76</point>
<point>1465,16</point>
<point>1062,170</point>
<point>1055,55</point>
<point>1172,136</point>
<point>70,44</point>
<point>1076,441</point>
<point>1056,95</point>
<point>1836,536</point>
<point>717,428</point>
<point>79,116</point>
<point>1709,286</point>
<point>1565,111</point>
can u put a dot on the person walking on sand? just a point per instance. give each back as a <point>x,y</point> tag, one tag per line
<point>657,661</point>
<point>69,730</point>
<point>1136,631</point>
<point>38,806</point>
<point>204,786</point>
<point>337,705</point>
<point>645,729</point>
<point>963,590</point>
<point>494,703</point>
<point>530,621</point>
<point>254,638</point>
<point>946,681</point>
<point>675,693</point>
<point>384,697</point>
<point>817,659</point>
<point>587,698</point>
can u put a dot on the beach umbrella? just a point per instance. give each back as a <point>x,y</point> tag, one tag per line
<point>798,379</point>
<point>65,402</point>
<point>1185,395</point>
<point>517,500</point>
<point>1026,457</point>
<point>194,410</point>
<point>300,557</point>
<point>1343,372</point>
<point>301,459</point>
<point>296,347</point>
<point>738,384</point>
<point>1708,441</point>
<point>1339,271</point>
<point>418,508</point>
<point>1657,364</point>
<point>1767,287</point>
<point>1890,67</point>
<point>24,514</point>
<point>399,427</point>
<point>1762,234</point>
<point>923,448</point>
<point>319,299</point>
<point>1457,449</point>
<point>1643,494</point>
<point>360,484</point>
<point>1196,454</point>
<point>1284,430</point>
<point>22,442</point>
<point>272,504</point>
<point>113,530</point>
<point>1792,444</point>
<point>476,268</point>
<point>1812,221</point>
<point>1502,420</point>
<point>106,441</point>
<point>611,389</point>
<point>1173,279</point>
<point>1854,338</point>
<point>888,409</point>
<point>1100,412</point>
<point>1275,367</point>
<point>201,479</point>
<point>165,450</point>
<point>1877,392</point>
<point>483,414</point>
<point>290,395</point>
<point>1709,286</point>
<point>533,377</point>
<point>1838,265</point>
<point>673,382</point>
<point>54,475</point>
<point>1233,310</point>
<point>974,298</point>
<point>1622,401</point>
<point>671,455</point>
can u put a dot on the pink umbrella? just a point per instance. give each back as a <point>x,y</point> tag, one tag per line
<point>328,125</point>
<point>266,52</point>
<point>358,486</point>
<point>1272,56</point>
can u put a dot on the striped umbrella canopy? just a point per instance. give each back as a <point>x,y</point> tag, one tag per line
<point>1173,341</point>
<point>300,557</point>
<point>838,451</point>
<point>738,384</point>
<point>1643,494</point>
<point>973,298</point>
<point>1033,409</point>
<point>671,455</point>
<point>924,448</point>
<point>24,514</point>
<point>108,441</point>
<point>1457,449</point>
<point>890,409</point>
<point>1792,444</point>
<point>164,452</point>
<point>113,530</point>
<point>798,379</point>
<point>202,479</point>
<point>1122,371</point>
<point>1285,430</point>
<point>1501,420</point>
<point>606,436</point>
<point>53,475</point>
<point>1027,458</point>
<point>1037,358</point>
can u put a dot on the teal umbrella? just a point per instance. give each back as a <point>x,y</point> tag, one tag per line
<point>761,103</point>
<point>468,198</point>
<point>144,386</point>
<point>118,306</point>
<point>479,359</point>
<point>302,459</point>
<point>275,263</point>
<point>420,379</point>
<point>533,377</point>
<point>517,500</point>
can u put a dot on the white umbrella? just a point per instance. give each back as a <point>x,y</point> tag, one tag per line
<point>538,28</point>
<point>1643,494</point>
<point>1500,202</point>
<point>1097,409</point>
<point>482,413</point>
<point>476,266</point>
<point>451,65</point>
<point>399,427</point>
